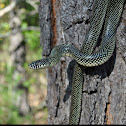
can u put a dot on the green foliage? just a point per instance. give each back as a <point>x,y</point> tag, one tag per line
<point>24,25</point>
<point>5,2</point>
<point>32,38</point>
<point>27,84</point>
<point>9,114</point>
<point>4,26</point>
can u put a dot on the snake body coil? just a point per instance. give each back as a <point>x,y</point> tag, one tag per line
<point>106,12</point>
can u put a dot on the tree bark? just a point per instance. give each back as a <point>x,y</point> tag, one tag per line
<point>104,95</point>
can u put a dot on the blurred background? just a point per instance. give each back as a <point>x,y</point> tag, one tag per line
<point>22,90</point>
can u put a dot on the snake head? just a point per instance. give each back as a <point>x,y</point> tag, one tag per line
<point>43,63</point>
<point>52,60</point>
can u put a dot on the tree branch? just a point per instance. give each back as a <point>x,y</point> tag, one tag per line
<point>8,8</point>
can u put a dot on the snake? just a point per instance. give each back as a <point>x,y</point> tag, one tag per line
<point>105,20</point>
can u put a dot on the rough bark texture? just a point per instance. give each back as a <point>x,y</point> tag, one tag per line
<point>104,88</point>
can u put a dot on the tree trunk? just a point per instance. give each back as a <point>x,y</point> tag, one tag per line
<point>104,95</point>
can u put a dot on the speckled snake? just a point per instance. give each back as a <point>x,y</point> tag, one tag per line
<point>106,16</point>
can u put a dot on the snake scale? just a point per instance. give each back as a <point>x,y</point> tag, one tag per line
<point>106,15</point>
